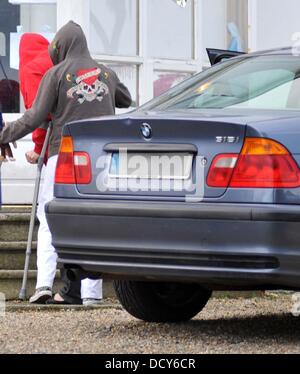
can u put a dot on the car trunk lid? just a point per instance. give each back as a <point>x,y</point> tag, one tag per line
<point>188,143</point>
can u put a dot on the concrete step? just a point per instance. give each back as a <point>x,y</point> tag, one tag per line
<point>15,209</point>
<point>12,255</point>
<point>11,282</point>
<point>14,227</point>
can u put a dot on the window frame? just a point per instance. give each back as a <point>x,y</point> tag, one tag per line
<point>147,66</point>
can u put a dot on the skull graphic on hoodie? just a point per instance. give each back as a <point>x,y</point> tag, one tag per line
<point>88,86</point>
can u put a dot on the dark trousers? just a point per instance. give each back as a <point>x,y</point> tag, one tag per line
<point>71,292</point>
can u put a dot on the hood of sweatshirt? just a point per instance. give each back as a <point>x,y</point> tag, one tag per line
<point>69,43</point>
<point>34,63</point>
<point>31,46</point>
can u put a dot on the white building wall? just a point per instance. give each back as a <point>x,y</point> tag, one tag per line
<point>276,22</point>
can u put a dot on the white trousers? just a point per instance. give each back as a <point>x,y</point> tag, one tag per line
<point>46,254</point>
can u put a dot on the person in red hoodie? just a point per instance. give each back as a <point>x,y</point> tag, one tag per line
<point>34,63</point>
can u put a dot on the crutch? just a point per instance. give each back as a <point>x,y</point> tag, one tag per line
<point>22,294</point>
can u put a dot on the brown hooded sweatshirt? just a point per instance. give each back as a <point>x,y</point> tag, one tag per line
<point>76,88</point>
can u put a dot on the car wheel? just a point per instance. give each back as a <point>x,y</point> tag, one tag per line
<point>161,302</point>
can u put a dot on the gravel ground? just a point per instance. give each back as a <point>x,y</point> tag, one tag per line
<point>256,325</point>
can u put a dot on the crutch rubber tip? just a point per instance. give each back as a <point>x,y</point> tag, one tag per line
<point>22,295</point>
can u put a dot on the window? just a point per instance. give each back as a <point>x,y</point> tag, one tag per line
<point>224,25</point>
<point>263,82</point>
<point>163,81</point>
<point>16,19</point>
<point>237,25</point>
<point>127,75</point>
<point>113,27</point>
<point>150,43</point>
<point>169,30</point>
<point>153,42</point>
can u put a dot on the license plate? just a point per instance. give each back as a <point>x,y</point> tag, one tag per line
<point>159,166</point>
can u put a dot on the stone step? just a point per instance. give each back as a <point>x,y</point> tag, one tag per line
<point>15,209</point>
<point>12,255</point>
<point>14,226</point>
<point>11,282</point>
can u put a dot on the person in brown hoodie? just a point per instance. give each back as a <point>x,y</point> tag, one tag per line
<point>76,88</point>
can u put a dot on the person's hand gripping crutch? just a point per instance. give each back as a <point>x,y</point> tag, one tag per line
<point>5,149</point>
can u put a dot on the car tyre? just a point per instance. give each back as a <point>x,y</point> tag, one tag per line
<point>161,302</point>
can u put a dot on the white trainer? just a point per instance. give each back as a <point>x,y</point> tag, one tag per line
<point>89,302</point>
<point>41,295</point>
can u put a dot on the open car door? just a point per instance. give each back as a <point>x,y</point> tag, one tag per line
<point>218,55</point>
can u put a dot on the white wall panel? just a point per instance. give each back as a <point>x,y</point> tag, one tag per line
<point>277,20</point>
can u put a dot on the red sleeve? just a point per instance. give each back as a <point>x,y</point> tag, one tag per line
<point>38,137</point>
<point>30,88</point>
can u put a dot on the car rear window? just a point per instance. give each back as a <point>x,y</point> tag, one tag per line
<point>256,82</point>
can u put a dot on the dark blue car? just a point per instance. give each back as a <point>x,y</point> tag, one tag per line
<point>198,190</point>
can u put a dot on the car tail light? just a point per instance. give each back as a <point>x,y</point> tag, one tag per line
<point>262,163</point>
<point>72,167</point>
<point>221,170</point>
<point>82,164</point>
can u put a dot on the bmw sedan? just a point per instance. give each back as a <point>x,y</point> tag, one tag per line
<point>198,190</point>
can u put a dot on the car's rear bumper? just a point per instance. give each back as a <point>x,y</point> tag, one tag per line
<point>221,245</point>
